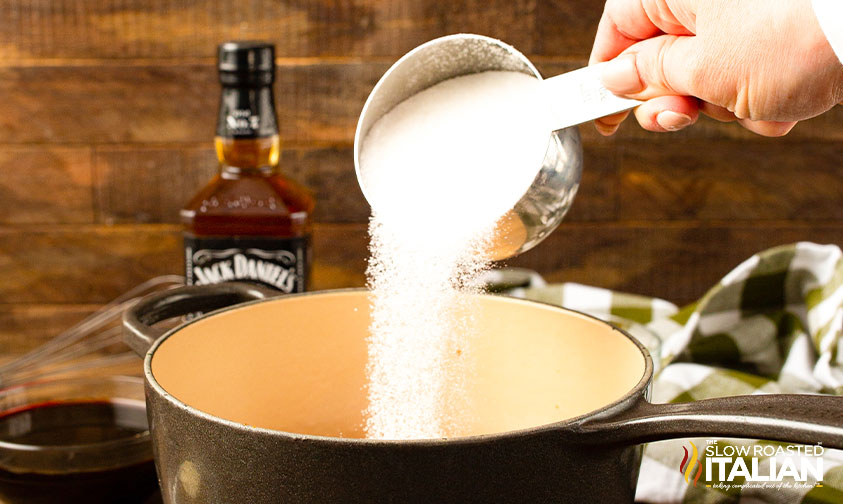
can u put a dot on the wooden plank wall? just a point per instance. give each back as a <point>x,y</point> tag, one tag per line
<point>107,109</point>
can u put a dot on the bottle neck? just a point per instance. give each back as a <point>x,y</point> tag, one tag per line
<point>242,156</point>
<point>247,140</point>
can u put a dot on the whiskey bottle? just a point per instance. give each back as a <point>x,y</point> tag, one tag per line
<point>250,222</point>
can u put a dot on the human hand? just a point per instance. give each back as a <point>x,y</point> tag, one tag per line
<point>763,63</point>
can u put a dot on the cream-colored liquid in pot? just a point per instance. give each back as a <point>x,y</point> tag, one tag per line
<point>535,365</point>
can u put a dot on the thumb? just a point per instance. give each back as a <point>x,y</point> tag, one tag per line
<point>659,66</point>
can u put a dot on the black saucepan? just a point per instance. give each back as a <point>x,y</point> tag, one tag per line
<point>263,402</point>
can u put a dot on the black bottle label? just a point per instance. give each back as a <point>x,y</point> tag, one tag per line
<point>280,263</point>
<point>246,112</point>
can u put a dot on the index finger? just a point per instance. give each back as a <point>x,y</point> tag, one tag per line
<point>625,22</point>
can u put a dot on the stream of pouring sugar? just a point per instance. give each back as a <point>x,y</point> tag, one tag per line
<point>439,170</point>
<point>418,351</point>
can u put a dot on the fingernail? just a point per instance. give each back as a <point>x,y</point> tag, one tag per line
<point>620,75</point>
<point>604,130</point>
<point>672,121</point>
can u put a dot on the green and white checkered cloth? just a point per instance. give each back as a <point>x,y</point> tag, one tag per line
<point>772,325</point>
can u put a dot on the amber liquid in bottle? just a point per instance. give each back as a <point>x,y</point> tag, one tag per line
<point>250,222</point>
<point>250,197</point>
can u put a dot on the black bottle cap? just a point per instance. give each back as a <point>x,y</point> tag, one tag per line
<point>246,63</point>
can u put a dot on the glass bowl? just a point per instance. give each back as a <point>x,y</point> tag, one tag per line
<point>82,439</point>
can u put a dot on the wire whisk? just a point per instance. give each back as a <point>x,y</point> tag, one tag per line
<point>95,342</point>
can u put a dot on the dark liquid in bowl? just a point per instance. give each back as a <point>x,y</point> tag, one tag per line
<point>77,423</point>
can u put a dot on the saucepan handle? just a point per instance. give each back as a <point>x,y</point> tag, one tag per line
<point>138,330</point>
<point>795,418</point>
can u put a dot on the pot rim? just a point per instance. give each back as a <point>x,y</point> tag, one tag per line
<point>620,404</point>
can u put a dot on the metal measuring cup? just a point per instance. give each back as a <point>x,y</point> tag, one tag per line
<point>542,207</point>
